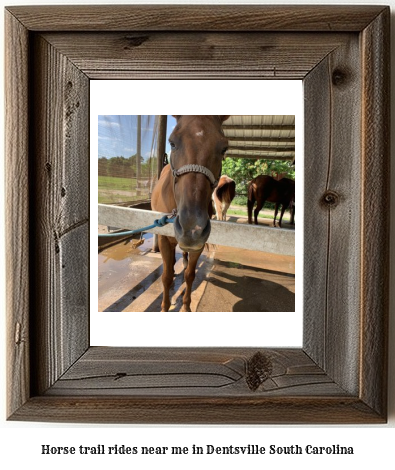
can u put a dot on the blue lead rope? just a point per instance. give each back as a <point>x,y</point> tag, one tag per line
<point>157,223</point>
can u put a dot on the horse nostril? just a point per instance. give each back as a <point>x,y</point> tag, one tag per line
<point>208,227</point>
<point>177,225</point>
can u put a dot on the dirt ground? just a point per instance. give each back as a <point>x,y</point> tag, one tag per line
<point>227,279</point>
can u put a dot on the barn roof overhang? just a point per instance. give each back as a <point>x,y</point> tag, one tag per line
<point>270,137</point>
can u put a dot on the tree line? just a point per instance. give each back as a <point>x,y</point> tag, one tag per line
<point>125,167</point>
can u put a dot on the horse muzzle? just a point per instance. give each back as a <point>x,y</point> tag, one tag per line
<point>191,237</point>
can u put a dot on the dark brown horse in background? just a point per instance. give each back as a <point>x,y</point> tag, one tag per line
<point>198,145</point>
<point>223,195</point>
<point>265,188</point>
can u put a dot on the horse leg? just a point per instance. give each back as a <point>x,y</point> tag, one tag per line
<point>185,259</point>
<point>292,222</point>
<point>224,211</point>
<point>220,215</point>
<point>275,215</point>
<point>167,250</point>
<point>259,205</point>
<point>250,205</point>
<point>189,276</point>
<point>282,213</point>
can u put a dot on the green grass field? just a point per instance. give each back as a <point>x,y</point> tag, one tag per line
<point>114,183</point>
<point>261,215</point>
<point>112,189</point>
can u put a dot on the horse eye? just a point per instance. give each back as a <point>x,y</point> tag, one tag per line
<point>224,150</point>
<point>172,144</point>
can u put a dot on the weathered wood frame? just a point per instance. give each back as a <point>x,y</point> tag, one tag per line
<point>340,374</point>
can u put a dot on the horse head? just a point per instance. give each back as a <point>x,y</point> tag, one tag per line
<point>198,145</point>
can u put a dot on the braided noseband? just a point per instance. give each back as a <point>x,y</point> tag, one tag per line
<point>191,168</point>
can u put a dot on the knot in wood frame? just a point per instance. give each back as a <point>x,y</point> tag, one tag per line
<point>330,198</point>
<point>340,77</point>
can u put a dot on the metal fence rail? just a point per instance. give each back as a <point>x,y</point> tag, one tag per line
<point>250,237</point>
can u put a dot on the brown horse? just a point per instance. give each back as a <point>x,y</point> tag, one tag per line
<point>198,146</point>
<point>265,188</point>
<point>223,195</point>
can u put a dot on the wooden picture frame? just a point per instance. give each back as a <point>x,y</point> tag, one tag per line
<point>340,374</point>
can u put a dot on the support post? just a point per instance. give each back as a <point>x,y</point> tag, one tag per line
<point>162,130</point>
<point>138,156</point>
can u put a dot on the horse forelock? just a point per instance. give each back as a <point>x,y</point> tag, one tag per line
<point>212,118</point>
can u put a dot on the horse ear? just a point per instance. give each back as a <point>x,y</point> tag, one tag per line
<point>224,118</point>
<point>177,117</point>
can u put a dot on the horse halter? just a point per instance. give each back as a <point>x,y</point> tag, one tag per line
<point>192,168</point>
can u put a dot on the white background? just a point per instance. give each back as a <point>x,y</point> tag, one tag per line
<point>20,443</point>
<point>282,97</point>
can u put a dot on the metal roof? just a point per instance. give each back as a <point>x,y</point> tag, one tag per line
<point>261,137</point>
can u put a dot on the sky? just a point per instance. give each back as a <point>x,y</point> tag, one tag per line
<point>117,135</point>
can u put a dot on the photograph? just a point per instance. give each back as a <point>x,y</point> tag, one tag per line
<point>198,172</point>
